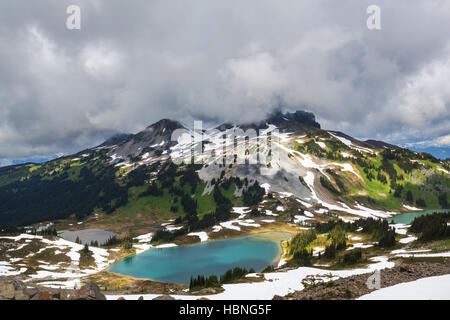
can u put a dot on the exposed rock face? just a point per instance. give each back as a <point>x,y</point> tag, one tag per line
<point>13,289</point>
<point>298,117</point>
<point>154,139</point>
<point>284,121</point>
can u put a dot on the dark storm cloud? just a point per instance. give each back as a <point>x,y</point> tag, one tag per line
<point>134,62</point>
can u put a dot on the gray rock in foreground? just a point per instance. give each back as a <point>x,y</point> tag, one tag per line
<point>13,289</point>
<point>88,292</point>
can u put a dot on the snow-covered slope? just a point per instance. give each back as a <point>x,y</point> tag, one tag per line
<point>432,288</point>
<point>275,153</point>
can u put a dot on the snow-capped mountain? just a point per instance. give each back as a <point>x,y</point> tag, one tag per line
<point>288,154</point>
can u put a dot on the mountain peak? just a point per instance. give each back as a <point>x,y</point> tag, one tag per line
<point>156,136</point>
<point>298,117</point>
<point>166,124</point>
<point>161,130</point>
<point>285,121</point>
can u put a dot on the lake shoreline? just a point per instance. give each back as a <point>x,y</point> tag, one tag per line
<point>276,237</point>
<point>409,216</point>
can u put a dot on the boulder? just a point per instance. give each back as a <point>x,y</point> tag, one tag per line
<point>7,289</point>
<point>22,294</point>
<point>164,297</point>
<point>12,289</point>
<point>209,291</point>
<point>44,295</point>
<point>89,291</point>
<point>404,268</point>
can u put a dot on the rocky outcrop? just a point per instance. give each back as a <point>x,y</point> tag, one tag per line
<point>164,297</point>
<point>13,289</point>
<point>88,292</point>
<point>291,121</point>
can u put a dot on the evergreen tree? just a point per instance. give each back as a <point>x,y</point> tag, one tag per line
<point>409,197</point>
<point>86,248</point>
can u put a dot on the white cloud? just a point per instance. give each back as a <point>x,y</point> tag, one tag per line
<point>443,141</point>
<point>255,77</point>
<point>101,60</point>
<point>133,63</point>
<point>424,96</point>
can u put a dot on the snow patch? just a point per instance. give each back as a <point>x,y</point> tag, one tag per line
<point>411,208</point>
<point>145,237</point>
<point>270,213</point>
<point>306,204</point>
<point>202,235</point>
<point>408,239</point>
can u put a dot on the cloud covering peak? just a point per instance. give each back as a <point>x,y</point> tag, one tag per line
<point>135,62</point>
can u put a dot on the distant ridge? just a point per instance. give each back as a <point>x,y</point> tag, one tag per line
<point>381,144</point>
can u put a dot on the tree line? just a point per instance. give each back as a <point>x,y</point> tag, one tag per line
<point>431,227</point>
<point>229,276</point>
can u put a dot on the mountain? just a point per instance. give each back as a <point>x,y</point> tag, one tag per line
<point>284,121</point>
<point>137,179</point>
<point>116,139</point>
<point>292,120</point>
<point>152,140</point>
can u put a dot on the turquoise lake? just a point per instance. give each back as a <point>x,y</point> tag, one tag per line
<point>408,217</point>
<point>178,264</point>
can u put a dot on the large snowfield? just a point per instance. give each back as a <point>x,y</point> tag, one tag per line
<point>432,288</point>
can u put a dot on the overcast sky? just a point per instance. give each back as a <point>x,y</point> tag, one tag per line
<point>135,62</point>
